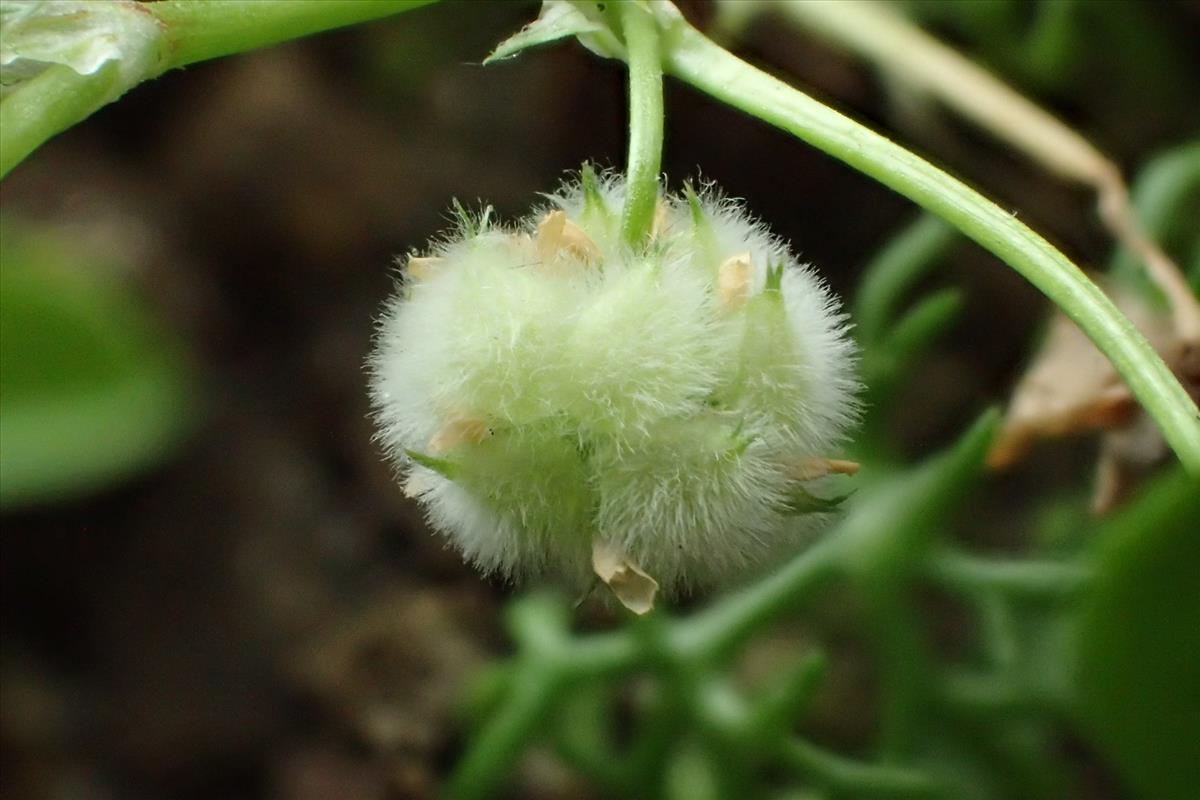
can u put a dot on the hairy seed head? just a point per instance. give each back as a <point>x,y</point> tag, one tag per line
<point>559,400</point>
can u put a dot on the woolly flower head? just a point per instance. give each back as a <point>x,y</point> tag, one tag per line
<point>562,402</point>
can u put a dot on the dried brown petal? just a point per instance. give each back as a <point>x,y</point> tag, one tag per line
<point>1071,387</point>
<point>812,468</point>
<point>458,430</point>
<point>422,268</point>
<point>633,587</point>
<point>557,235</point>
<point>661,217</point>
<point>733,281</point>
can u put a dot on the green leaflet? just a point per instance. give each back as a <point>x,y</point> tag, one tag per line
<point>1138,667</point>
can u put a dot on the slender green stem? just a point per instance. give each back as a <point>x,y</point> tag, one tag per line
<point>893,271</point>
<point>985,694</point>
<point>854,777</point>
<point>693,58</point>
<point>1012,576</point>
<point>913,332</point>
<point>645,122</point>
<point>716,630</point>
<point>874,31</point>
<point>602,654</point>
<point>886,360</point>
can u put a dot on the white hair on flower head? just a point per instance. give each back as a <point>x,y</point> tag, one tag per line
<point>546,386</point>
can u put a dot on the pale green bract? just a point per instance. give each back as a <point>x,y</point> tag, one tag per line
<point>545,388</point>
<point>84,36</point>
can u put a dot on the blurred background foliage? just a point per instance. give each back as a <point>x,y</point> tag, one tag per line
<point>92,389</point>
<point>212,586</point>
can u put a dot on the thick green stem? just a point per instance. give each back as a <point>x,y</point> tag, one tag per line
<point>187,31</point>
<point>645,122</point>
<point>198,31</point>
<point>693,58</point>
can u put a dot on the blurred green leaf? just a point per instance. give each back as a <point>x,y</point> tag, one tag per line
<point>893,272</point>
<point>91,391</point>
<point>1139,645</point>
<point>801,501</point>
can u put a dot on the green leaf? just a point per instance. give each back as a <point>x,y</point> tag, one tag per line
<point>902,262</point>
<point>895,516</point>
<point>889,357</point>
<point>1139,642</point>
<point>91,391</point>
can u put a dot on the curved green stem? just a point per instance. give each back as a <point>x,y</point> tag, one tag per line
<point>693,58</point>
<point>854,777</point>
<point>645,122</point>
<point>913,332</point>
<point>901,48</point>
<point>886,362</point>
<point>1009,576</point>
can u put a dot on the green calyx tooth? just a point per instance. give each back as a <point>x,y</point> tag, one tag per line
<point>439,465</point>
<point>706,240</point>
<point>693,201</point>
<point>592,197</point>
<point>741,440</point>
<point>462,217</point>
<point>741,443</point>
<point>803,501</point>
<point>774,279</point>
<point>468,223</point>
<point>595,210</point>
